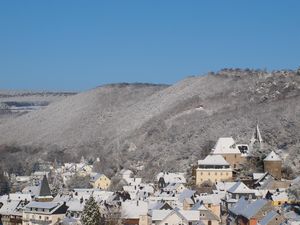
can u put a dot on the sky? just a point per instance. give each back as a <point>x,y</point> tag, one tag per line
<point>72,45</point>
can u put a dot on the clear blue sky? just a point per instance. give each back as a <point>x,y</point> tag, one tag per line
<point>77,45</point>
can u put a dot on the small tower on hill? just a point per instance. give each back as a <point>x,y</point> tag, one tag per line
<point>273,165</point>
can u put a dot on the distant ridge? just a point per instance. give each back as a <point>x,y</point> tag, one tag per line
<point>127,125</point>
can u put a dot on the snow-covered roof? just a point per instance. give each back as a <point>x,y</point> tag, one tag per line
<point>213,160</point>
<point>172,177</point>
<point>224,186</point>
<point>240,187</point>
<point>257,176</point>
<point>47,207</point>
<point>9,207</point>
<point>19,196</point>
<point>214,199</point>
<point>272,157</point>
<point>189,215</point>
<point>158,215</point>
<point>133,180</point>
<point>173,186</point>
<point>225,145</point>
<point>280,196</point>
<point>43,205</point>
<point>75,205</point>
<point>133,209</point>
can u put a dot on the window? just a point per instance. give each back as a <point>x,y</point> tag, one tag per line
<point>166,223</point>
<point>209,205</point>
<point>47,218</point>
<point>234,155</point>
<point>216,173</point>
<point>40,217</point>
<point>209,222</point>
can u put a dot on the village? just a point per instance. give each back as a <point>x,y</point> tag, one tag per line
<point>219,192</point>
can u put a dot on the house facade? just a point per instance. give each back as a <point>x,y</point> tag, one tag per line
<point>100,181</point>
<point>213,168</point>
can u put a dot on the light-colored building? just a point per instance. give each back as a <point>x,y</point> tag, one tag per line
<point>231,152</point>
<point>49,213</point>
<point>100,181</point>
<point>273,164</point>
<point>213,168</point>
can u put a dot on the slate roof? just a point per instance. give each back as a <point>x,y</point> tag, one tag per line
<point>253,208</point>
<point>44,188</point>
<point>186,193</point>
<point>268,218</point>
<point>47,207</point>
<point>241,204</point>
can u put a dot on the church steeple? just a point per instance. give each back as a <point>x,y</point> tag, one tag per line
<point>256,138</point>
<point>44,192</point>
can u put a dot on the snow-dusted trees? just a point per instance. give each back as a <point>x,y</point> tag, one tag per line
<point>91,213</point>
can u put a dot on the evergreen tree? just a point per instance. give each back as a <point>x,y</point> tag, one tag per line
<point>91,213</point>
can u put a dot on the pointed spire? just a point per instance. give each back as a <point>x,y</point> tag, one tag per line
<point>257,134</point>
<point>256,137</point>
<point>44,188</point>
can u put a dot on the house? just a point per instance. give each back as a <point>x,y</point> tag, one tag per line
<point>186,199</point>
<point>212,202</point>
<point>134,212</point>
<point>273,165</point>
<point>175,217</point>
<point>44,213</point>
<point>246,212</point>
<point>213,168</point>
<point>227,148</point>
<point>11,211</point>
<point>279,198</point>
<point>100,181</point>
<point>237,191</point>
<point>207,217</point>
<point>268,182</point>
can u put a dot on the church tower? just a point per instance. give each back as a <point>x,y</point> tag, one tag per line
<point>273,165</point>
